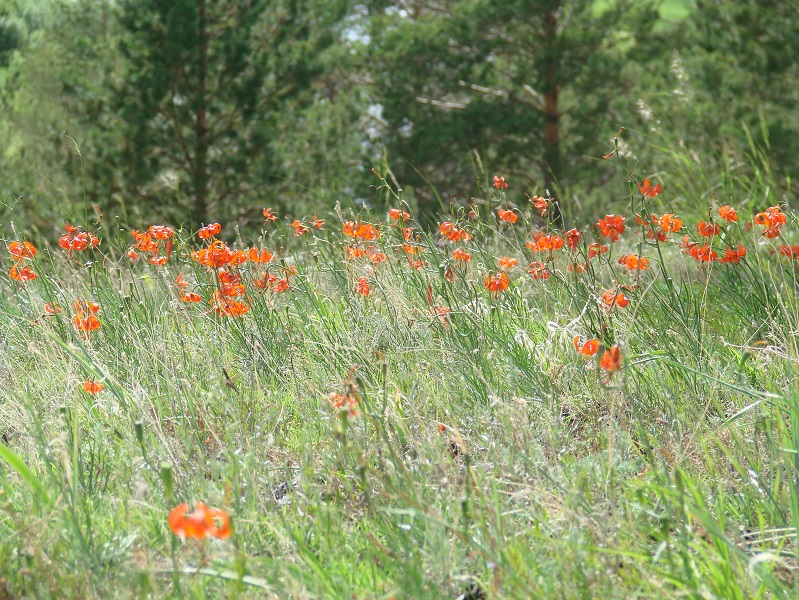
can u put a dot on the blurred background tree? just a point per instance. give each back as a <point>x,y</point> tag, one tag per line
<point>194,111</point>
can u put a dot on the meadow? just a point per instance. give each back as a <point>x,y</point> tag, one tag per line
<point>357,406</point>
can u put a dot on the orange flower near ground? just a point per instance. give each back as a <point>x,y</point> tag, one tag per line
<point>648,190</point>
<point>228,307</point>
<point>163,232</point>
<point>708,229</point>
<point>52,308</point>
<point>538,270</point>
<point>461,255</point>
<point>158,260</point>
<point>497,282</point>
<point>728,214</point>
<point>611,359</point>
<point>669,222</point>
<point>259,256</point>
<point>209,231</point>
<point>615,298</point>
<point>20,250</point>
<point>355,252</point>
<point>589,348</point>
<point>362,287</point>
<point>269,215</point>
<point>507,215</point>
<point>499,183</point>
<point>204,521</point>
<point>733,256</point>
<point>612,226</point>
<point>442,312</point>
<point>92,387</point>
<point>545,242</point>
<point>507,262</point>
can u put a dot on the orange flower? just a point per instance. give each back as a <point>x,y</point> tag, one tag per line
<point>669,222</point>
<point>589,348</point>
<point>355,252</point>
<point>228,307</point>
<point>461,255</point>
<point>362,287</point>
<point>85,319</point>
<point>646,189</point>
<point>412,249</point>
<point>281,285</point>
<point>497,282</point>
<point>299,228</point>
<point>22,274</point>
<point>728,213</point>
<point>158,260</point>
<point>499,183</point>
<point>92,387</point>
<point>416,264</point>
<point>611,226</point>
<point>162,232</point>
<point>707,229</point>
<point>611,359</point>
<point>789,251</point>
<point>595,250</point>
<point>538,270</point>
<point>442,312</point>
<point>20,250</point>
<point>541,203</point>
<point>259,256</point>
<point>634,262</point>
<point>615,298</point>
<point>52,308</point>
<point>203,522</point>
<point>545,242</point>
<point>507,262</point>
<point>772,220</point>
<point>269,215</point>
<point>397,214</point>
<point>572,239</point>
<point>209,231</point>
<point>702,254</point>
<point>507,215</point>
<point>733,256</point>
<point>407,233</point>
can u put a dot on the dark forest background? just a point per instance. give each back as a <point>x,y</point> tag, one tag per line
<point>196,111</point>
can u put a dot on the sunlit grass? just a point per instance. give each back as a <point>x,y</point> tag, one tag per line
<point>483,455</point>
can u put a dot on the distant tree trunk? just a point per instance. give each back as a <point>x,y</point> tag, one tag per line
<point>551,114</point>
<point>200,177</point>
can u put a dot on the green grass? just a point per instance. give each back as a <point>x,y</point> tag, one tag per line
<point>674,477</point>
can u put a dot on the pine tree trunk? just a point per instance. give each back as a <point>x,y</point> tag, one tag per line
<point>200,178</point>
<point>551,116</point>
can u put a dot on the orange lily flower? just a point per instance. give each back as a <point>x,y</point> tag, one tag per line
<point>507,215</point>
<point>461,255</point>
<point>22,274</point>
<point>615,298</point>
<point>397,214</point>
<point>92,387</point>
<point>209,231</point>
<point>572,238</point>
<point>708,229</point>
<point>772,220</point>
<point>728,213</point>
<point>269,215</point>
<point>20,250</point>
<point>538,270</point>
<point>589,348</point>
<point>497,282</point>
<point>507,262</point>
<point>647,190</point>
<point>201,523</point>
<point>299,228</point>
<point>733,256</point>
<point>611,359</point>
<point>499,183</point>
<point>611,226</point>
<point>634,262</point>
<point>362,287</point>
